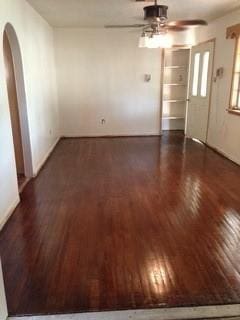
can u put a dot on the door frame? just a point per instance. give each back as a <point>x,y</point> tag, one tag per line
<point>213,40</point>
<point>22,101</point>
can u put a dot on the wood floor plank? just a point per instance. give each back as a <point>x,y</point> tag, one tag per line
<point>125,223</point>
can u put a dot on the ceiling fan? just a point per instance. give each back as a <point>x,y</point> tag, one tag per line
<point>157,15</point>
<point>157,26</point>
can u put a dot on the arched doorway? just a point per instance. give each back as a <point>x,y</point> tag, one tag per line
<point>17,105</point>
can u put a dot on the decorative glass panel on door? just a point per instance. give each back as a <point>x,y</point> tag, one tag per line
<point>204,80</point>
<point>196,74</point>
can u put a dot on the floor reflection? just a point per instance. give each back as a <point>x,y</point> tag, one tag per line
<point>123,223</point>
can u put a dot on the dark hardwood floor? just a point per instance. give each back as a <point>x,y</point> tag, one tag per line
<point>123,223</point>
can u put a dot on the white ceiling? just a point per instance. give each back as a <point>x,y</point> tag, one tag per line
<point>97,13</point>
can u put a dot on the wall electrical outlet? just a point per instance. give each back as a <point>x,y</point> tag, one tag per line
<point>103,121</point>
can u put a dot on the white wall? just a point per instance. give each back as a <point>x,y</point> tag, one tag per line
<point>36,43</point>
<point>224,128</point>
<point>101,75</point>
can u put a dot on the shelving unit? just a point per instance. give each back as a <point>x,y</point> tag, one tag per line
<point>174,88</point>
<point>175,67</point>
<point>175,101</point>
<point>174,118</point>
<point>174,84</point>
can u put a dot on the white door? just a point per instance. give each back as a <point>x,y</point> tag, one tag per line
<point>200,90</point>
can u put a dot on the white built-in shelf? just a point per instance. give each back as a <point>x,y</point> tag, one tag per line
<point>175,67</point>
<point>174,88</point>
<point>174,118</point>
<point>175,101</point>
<point>175,84</point>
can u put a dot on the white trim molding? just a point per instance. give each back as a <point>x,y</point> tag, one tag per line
<point>205,312</point>
<point>45,158</point>
<point>9,212</point>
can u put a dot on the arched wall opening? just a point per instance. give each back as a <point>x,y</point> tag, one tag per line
<point>21,115</point>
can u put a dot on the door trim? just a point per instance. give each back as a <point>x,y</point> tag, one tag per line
<point>21,96</point>
<point>161,87</point>
<point>211,85</point>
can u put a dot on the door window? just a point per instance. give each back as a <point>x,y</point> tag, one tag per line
<point>196,74</point>
<point>204,80</point>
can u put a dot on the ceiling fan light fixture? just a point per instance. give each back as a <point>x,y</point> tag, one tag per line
<point>152,43</point>
<point>159,40</point>
<point>164,40</point>
<point>143,41</point>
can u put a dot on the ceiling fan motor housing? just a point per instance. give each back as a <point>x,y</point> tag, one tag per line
<point>156,12</point>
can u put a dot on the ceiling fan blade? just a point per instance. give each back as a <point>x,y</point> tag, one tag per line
<point>175,28</point>
<point>187,23</point>
<point>115,26</point>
